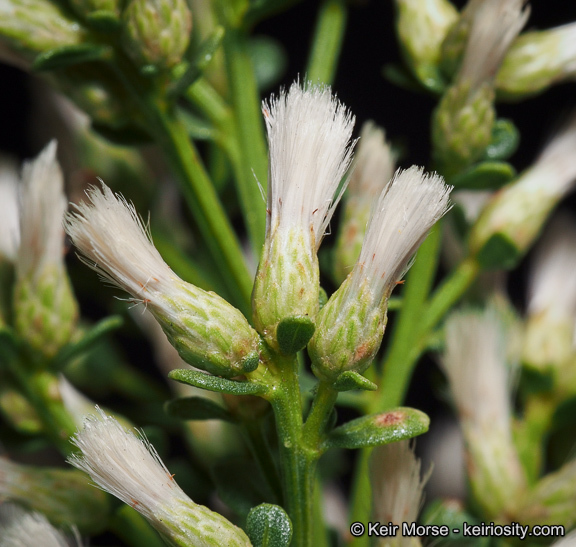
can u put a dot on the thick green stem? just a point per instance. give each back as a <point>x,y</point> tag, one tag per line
<point>297,464</point>
<point>327,41</point>
<point>249,134</point>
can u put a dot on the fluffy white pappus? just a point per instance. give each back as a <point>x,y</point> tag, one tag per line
<point>309,134</point>
<point>397,485</point>
<point>373,163</point>
<point>42,207</point>
<point>9,211</point>
<point>76,403</point>
<point>20,528</point>
<point>126,465</point>
<point>404,213</point>
<point>554,171</point>
<point>494,26</point>
<point>117,244</point>
<point>552,281</point>
<point>475,362</point>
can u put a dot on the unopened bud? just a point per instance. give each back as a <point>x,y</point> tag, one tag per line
<point>515,215</point>
<point>86,8</point>
<point>537,60</point>
<point>127,465</point>
<point>157,32</point>
<point>422,26</point>
<point>31,27</point>
<point>207,331</point>
<point>372,170</point>
<point>45,308</point>
<point>350,326</point>
<point>309,140</point>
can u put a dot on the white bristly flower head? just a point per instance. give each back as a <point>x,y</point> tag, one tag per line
<point>309,147</point>
<point>44,305</point>
<point>475,362</point>
<point>397,489</point>
<point>515,215</point>
<point>372,171</point>
<point>463,121</point>
<point>351,325</point>
<point>127,466</point>
<point>9,212</point>
<point>205,329</point>
<point>551,321</point>
<point>19,528</point>
<point>494,26</point>
<point>536,60</point>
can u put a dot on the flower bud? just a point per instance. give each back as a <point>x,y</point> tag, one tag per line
<point>157,32</point>
<point>128,467</point>
<point>372,170</point>
<point>422,26</point>
<point>462,122</point>
<point>397,489</point>
<point>537,60</point>
<point>475,362</point>
<point>308,135</point>
<point>206,330</point>
<point>515,215</point>
<point>86,8</point>
<point>44,305</point>
<point>350,326</point>
<point>20,528</point>
<point>552,500</point>
<point>31,27</point>
<point>63,495</point>
<point>551,316</point>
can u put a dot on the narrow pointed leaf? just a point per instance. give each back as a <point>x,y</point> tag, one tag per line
<point>66,56</point>
<point>378,429</point>
<point>350,380</point>
<point>215,383</point>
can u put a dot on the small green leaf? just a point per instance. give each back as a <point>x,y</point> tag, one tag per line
<point>350,380</point>
<point>197,408</point>
<point>488,175</point>
<point>91,337</point>
<point>293,333</point>
<point>499,252</point>
<point>399,76</point>
<point>215,383</point>
<point>505,139</point>
<point>66,56</point>
<point>268,525</point>
<point>377,429</point>
<point>104,21</point>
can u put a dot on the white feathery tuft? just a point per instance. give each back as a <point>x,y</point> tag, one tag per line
<point>117,244</point>
<point>309,133</point>
<point>19,528</point>
<point>396,483</point>
<point>126,465</point>
<point>475,363</point>
<point>9,211</point>
<point>494,26</point>
<point>404,213</point>
<point>42,207</point>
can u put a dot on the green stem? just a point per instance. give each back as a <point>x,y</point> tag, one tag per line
<point>195,184</point>
<point>327,41</point>
<point>249,134</point>
<point>397,370</point>
<point>297,464</point>
<point>450,292</point>
<point>322,407</point>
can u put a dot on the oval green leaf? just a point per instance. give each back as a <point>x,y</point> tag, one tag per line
<point>268,525</point>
